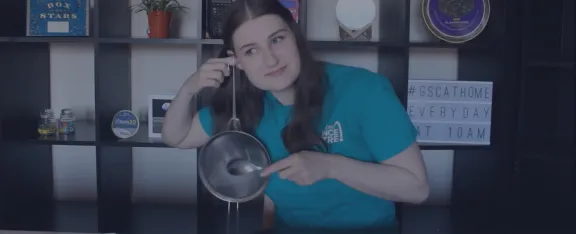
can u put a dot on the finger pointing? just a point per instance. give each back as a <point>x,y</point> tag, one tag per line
<point>278,166</point>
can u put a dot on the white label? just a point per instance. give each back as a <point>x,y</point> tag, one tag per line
<point>58,27</point>
<point>449,111</point>
<point>437,90</point>
<point>458,133</point>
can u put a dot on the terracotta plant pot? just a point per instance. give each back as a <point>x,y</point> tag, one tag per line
<point>159,23</point>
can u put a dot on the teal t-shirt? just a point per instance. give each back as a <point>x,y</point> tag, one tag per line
<point>362,119</point>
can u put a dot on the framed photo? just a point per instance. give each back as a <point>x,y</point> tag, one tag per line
<point>157,107</point>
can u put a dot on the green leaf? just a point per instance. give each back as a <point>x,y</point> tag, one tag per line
<point>157,5</point>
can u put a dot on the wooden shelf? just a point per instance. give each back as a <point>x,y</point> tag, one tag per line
<point>154,41</point>
<point>48,39</point>
<point>322,44</point>
<point>424,146</point>
<point>353,44</point>
<point>85,135</point>
<point>467,45</point>
<point>141,139</point>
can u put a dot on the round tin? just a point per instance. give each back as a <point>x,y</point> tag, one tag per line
<point>125,124</point>
<point>456,21</point>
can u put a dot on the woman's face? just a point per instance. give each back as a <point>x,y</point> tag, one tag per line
<point>267,52</point>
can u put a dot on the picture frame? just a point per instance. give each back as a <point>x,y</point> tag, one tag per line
<point>157,107</point>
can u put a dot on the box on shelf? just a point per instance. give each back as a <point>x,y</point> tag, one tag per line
<point>57,18</point>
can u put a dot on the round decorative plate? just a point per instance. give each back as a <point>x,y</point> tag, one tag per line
<point>355,14</point>
<point>456,21</point>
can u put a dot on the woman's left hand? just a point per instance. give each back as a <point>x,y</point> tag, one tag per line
<point>304,168</point>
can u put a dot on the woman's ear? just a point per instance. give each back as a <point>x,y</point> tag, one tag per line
<point>231,54</point>
<point>239,66</point>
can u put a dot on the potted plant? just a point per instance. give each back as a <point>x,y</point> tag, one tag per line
<point>159,14</point>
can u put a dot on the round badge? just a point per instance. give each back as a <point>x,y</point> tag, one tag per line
<point>125,124</point>
<point>456,21</point>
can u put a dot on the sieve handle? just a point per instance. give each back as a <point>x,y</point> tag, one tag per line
<point>234,124</point>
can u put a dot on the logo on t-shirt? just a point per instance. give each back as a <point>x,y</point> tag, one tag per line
<point>333,133</point>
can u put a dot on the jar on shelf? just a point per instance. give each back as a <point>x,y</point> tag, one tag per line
<point>66,122</point>
<point>47,124</point>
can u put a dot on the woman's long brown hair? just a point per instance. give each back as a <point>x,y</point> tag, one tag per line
<point>301,133</point>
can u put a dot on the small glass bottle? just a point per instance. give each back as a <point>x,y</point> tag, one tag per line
<point>47,124</point>
<point>66,122</point>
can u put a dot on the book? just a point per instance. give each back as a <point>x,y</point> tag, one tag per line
<point>58,18</point>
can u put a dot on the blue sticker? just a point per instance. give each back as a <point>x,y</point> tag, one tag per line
<point>125,124</point>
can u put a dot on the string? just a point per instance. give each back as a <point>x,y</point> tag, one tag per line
<point>228,220</point>
<point>237,217</point>
<point>233,88</point>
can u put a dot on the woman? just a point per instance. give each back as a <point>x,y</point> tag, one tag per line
<point>342,146</point>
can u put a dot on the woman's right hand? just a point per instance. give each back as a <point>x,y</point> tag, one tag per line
<point>209,74</point>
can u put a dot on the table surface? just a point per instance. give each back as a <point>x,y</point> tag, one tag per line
<point>521,218</point>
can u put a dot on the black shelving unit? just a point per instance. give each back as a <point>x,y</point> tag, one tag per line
<point>26,186</point>
<point>545,165</point>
